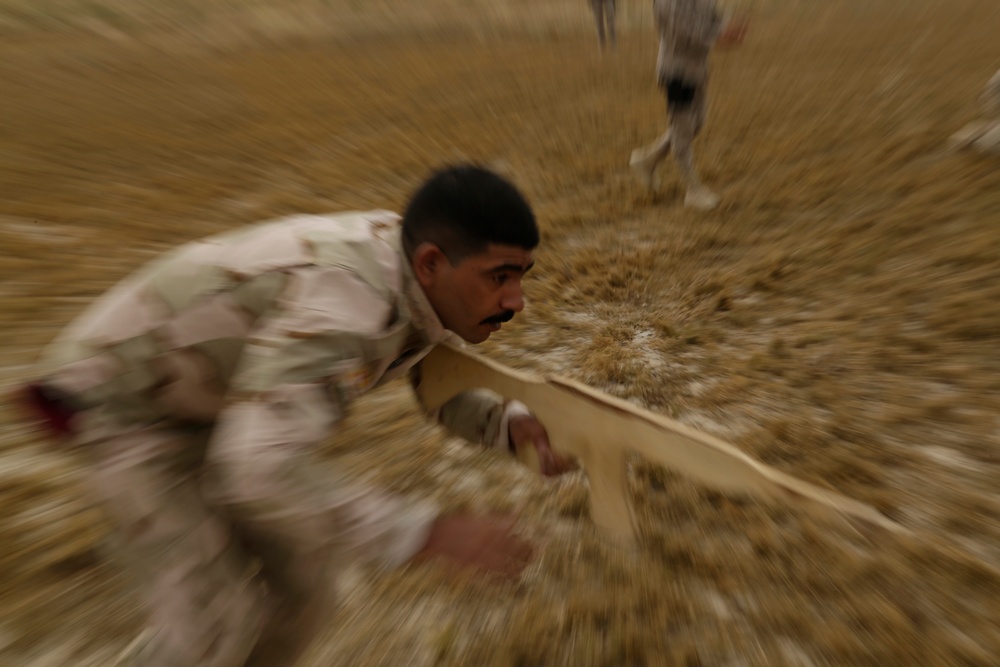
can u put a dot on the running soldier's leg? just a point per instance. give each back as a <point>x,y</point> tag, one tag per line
<point>204,608</point>
<point>597,7</point>
<point>686,106</point>
<point>685,121</point>
<point>609,14</point>
<point>687,117</point>
<point>644,161</point>
<point>699,106</point>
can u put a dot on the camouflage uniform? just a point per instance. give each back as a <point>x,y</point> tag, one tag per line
<point>200,387</point>
<point>604,14</point>
<point>688,29</point>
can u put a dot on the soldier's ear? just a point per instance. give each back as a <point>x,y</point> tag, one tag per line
<point>428,260</point>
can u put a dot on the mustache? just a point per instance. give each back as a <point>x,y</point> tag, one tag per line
<point>499,318</point>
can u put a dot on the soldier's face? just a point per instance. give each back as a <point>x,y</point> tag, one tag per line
<point>474,297</point>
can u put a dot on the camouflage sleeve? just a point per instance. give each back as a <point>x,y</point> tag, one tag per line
<point>479,416</point>
<point>688,24</point>
<point>299,370</point>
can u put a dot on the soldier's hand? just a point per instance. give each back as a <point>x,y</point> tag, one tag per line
<point>733,34</point>
<point>526,431</point>
<point>487,543</point>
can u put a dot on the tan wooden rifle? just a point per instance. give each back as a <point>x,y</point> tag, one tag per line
<point>600,430</point>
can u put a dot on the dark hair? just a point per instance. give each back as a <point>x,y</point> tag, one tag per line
<point>462,209</point>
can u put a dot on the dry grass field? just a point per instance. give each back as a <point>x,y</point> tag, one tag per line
<point>836,317</point>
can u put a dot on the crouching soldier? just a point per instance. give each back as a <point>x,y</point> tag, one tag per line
<point>198,390</point>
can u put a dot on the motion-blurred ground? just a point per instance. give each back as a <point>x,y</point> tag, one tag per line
<point>836,317</point>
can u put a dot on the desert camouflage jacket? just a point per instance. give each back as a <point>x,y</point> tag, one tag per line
<point>688,30</point>
<point>269,332</point>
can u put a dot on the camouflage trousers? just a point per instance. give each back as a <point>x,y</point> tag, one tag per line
<point>604,15</point>
<point>221,591</point>
<point>686,106</point>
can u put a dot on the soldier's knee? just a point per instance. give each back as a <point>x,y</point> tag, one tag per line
<point>239,484</point>
<point>680,93</point>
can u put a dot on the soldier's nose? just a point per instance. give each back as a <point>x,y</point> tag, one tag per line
<point>513,299</point>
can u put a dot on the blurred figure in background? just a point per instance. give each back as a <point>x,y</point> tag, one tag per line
<point>604,14</point>
<point>983,134</point>
<point>198,390</point>
<point>688,30</point>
